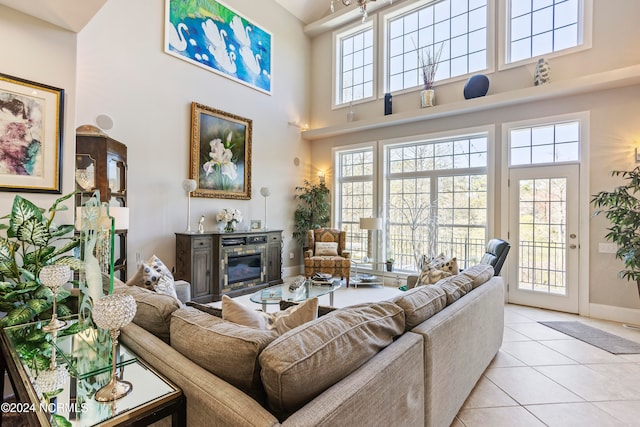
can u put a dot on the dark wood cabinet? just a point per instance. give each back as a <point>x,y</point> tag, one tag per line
<point>101,165</point>
<point>231,264</point>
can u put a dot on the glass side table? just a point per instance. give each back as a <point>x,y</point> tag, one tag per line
<point>55,376</point>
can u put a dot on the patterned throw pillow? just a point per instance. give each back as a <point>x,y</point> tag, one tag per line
<point>157,277</point>
<point>326,248</point>
<point>430,275</point>
<point>437,268</point>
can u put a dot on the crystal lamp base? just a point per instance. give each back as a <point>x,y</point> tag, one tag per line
<point>113,390</point>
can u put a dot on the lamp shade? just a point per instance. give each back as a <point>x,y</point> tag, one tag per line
<point>119,214</point>
<point>189,185</point>
<point>265,192</point>
<point>371,223</point>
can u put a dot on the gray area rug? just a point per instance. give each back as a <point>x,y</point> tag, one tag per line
<point>601,339</point>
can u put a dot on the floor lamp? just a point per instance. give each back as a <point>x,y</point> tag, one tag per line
<point>371,225</point>
<point>188,185</point>
<point>265,192</point>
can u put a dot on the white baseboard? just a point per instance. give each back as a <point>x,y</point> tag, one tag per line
<point>615,314</point>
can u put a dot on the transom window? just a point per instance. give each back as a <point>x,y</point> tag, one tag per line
<point>459,27</point>
<point>538,27</point>
<point>354,57</point>
<point>548,143</point>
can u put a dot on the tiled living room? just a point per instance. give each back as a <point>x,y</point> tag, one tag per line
<point>325,94</point>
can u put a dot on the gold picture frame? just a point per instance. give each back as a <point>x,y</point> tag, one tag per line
<point>31,127</point>
<point>220,153</point>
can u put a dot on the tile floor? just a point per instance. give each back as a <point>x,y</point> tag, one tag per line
<point>541,377</point>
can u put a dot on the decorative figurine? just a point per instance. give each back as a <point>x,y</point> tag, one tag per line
<point>201,225</point>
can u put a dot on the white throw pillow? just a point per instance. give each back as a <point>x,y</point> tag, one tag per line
<point>281,321</point>
<point>327,248</point>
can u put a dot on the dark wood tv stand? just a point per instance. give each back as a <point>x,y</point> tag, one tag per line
<point>204,260</point>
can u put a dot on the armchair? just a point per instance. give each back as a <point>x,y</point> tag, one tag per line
<point>496,254</point>
<point>327,254</point>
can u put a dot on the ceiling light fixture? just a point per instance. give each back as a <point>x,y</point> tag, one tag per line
<point>361,3</point>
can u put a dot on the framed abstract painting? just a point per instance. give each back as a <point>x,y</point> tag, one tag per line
<point>213,36</point>
<point>220,153</point>
<point>31,122</point>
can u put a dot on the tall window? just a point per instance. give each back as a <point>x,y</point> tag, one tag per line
<point>437,199</point>
<point>538,27</point>
<point>458,26</point>
<point>354,59</point>
<point>355,195</point>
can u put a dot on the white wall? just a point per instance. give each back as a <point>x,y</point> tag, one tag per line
<point>40,52</point>
<point>614,128</point>
<point>123,72</point>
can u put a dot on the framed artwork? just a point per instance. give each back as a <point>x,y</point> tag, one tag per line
<point>31,122</point>
<point>213,36</point>
<point>220,153</point>
<point>256,224</point>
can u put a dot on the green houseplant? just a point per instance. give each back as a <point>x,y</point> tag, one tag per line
<point>32,241</point>
<point>313,210</point>
<point>622,208</point>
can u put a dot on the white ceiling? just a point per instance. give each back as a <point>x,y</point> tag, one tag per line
<point>73,15</point>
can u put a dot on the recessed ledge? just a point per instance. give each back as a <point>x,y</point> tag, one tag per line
<point>621,77</point>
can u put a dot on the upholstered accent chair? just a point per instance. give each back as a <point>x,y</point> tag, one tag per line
<point>327,254</point>
<point>496,254</point>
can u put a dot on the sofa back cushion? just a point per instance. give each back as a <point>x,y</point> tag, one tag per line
<point>455,287</point>
<point>227,350</point>
<point>420,303</point>
<point>479,274</point>
<point>307,360</point>
<point>154,310</point>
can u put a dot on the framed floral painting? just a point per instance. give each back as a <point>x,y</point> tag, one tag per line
<point>31,121</point>
<point>220,153</point>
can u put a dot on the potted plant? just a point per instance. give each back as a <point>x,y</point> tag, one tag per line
<point>622,207</point>
<point>429,62</point>
<point>313,211</point>
<point>32,241</point>
<point>390,264</point>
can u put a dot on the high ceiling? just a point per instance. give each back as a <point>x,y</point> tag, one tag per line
<point>73,15</point>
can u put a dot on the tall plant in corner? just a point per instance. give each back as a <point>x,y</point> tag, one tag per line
<point>622,207</point>
<point>32,241</point>
<point>313,211</point>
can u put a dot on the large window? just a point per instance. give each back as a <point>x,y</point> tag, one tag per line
<point>539,27</point>
<point>459,27</point>
<point>437,194</point>
<point>355,197</point>
<point>544,144</point>
<point>354,59</point>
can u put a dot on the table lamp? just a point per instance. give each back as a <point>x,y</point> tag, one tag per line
<point>371,225</point>
<point>265,192</point>
<point>189,185</point>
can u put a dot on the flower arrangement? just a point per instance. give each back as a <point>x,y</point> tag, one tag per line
<point>222,168</point>
<point>230,217</point>
<point>429,62</point>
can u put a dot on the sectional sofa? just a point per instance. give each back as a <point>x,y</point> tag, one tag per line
<point>410,361</point>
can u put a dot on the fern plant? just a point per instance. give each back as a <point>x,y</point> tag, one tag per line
<point>32,241</point>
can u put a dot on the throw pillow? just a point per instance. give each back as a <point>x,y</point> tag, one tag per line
<point>431,275</point>
<point>327,248</point>
<point>157,277</point>
<point>479,273</point>
<point>281,321</point>
<point>237,313</point>
<point>420,303</point>
<point>444,263</point>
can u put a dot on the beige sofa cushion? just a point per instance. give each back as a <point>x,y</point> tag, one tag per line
<point>227,350</point>
<point>479,273</point>
<point>455,287</point>
<point>305,361</point>
<point>154,310</point>
<point>420,303</point>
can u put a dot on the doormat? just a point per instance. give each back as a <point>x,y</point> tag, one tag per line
<point>596,337</point>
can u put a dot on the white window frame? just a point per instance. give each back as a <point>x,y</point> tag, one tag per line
<point>585,33</point>
<point>402,8</point>
<point>337,194</point>
<point>336,59</point>
<point>489,130</point>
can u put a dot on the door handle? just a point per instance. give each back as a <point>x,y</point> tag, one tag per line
<point>572,246</point>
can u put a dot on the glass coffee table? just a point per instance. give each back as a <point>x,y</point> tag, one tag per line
<point>310,289</point>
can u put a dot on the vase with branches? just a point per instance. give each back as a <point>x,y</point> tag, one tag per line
<point>429,60</point>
